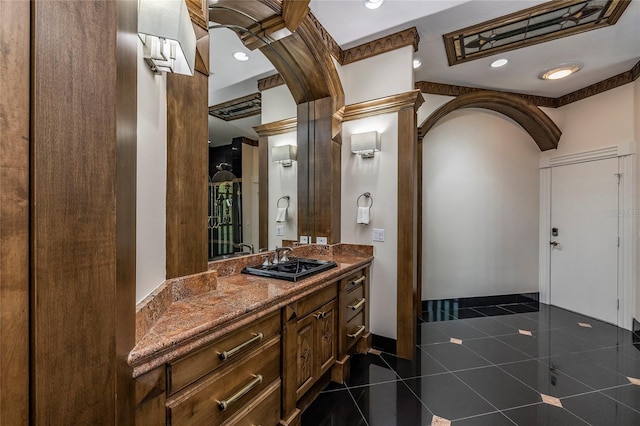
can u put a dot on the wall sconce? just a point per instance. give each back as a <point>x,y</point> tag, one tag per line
<point>169,41</point>
<point>365,144</point>
<point>284,154</point>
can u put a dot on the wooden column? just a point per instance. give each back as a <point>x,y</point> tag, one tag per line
<point>263,192</point>
<point>83,121</point>
<point>419,230</point>
<point>407,226</point>
<point>14,212</point>
<point>319,169</point>
<point>187,171</point>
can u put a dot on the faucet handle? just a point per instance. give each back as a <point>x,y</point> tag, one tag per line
<point>266,261</point>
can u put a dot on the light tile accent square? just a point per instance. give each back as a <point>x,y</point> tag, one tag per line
<point>634,381</point>
<point>551,400</point>
<point>584,324</point>
<point>456,341</point>
<point>525,332</point>
<point>439,421</point>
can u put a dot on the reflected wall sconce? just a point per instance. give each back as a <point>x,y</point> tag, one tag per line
<point>284,154</point>
<point>366,144</point>
<point>168,38</point>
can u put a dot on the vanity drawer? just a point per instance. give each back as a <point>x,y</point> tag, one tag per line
<point>355,329</point>
<point>264,411</point>
<point>221,352</point>
<point>220,395</point>
<point>354,281</point>
<point>317,299</point>
<point>355,302</point>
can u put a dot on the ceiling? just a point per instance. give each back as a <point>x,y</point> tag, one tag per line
<point>603,53</point>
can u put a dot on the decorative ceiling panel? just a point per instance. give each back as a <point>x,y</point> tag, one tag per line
<point>235,109</point>
<point>545,22</point>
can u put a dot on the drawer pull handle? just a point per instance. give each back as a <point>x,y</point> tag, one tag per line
<point>357,333</point>
<point>357,305</point>
<point>231,352</point>
<point>321,315</point>
<point>358,281</point>
<point>226,403</point>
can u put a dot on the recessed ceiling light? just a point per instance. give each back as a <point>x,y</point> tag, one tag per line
<point>499,63</point>
<point>373,4</point>
<point>241,56</point>
<point>561,71</point>
<point>416,63</point>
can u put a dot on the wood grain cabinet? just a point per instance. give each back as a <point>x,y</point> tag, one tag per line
<point>232,381</point>
<point>267,372</point>
<point>353,319</point>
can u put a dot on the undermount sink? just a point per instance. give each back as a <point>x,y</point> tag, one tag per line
<point>291,270</point>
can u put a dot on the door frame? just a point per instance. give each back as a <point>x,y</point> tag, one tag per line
<point>626,154</point>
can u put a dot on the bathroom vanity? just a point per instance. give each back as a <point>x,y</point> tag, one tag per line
<point>248,350</point>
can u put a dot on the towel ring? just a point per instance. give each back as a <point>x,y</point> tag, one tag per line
<point>286,198</point>
<point>368,197</point>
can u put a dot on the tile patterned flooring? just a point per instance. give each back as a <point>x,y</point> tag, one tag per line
<point>497,376</point>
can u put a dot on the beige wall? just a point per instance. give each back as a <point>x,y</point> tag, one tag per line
<point>383,75</point>
<point>151,180</point>
<point>480,207</point>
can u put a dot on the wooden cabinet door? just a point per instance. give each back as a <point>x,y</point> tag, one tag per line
<point>326,326</point>
<point>306,354</point>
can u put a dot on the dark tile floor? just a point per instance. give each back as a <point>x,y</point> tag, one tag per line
<point>497,376</point>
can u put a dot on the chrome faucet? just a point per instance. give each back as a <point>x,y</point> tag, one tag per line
<point>249,246</point>
<point>277,259</point>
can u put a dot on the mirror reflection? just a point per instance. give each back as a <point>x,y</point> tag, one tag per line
<point>236,107</point>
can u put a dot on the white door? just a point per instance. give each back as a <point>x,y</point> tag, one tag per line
<point>584,254</point>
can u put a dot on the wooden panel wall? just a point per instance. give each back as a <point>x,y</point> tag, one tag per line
<point>83,71</point>
<point>187,171</point>
<point>263,192</point>
<point>407,225</point>
<point>126,198</point>
<point>319,143</point>
<point>14,212</point>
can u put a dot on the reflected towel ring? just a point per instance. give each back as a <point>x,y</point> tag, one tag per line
<point>286,198</point>
<point>367,196</point>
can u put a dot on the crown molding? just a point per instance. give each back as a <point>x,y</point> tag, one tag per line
<point>453,90</point>
<point>541,101</point>
<point>328,41</point>
<point>277,127</point>
<point>601,86</point>
<point>270,82</point>
<point>408,37</point>
<point>388,104</point>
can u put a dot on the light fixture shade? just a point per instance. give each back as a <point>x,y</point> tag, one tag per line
<point>365,144</point>
<point>166,31</point>
<point>284,154</point>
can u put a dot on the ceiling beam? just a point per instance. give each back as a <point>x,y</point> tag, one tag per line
<point>293,12</point>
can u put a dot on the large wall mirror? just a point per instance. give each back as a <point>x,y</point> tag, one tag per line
<point>236,108</point>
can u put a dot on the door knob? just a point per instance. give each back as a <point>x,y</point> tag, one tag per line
<point>554,243</point>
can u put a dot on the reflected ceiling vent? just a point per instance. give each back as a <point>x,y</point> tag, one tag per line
<point>545,22</point>
<point>236,109</point>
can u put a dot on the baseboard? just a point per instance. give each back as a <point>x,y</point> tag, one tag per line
<point>384,344</point>
<point>476,302</point>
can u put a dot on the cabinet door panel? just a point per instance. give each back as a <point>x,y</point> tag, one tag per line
<point>326,335</point>
<point>306,354</point>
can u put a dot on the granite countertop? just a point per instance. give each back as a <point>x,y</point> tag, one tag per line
<point>189,312</point>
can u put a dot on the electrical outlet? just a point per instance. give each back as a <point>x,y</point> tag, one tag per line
<point>280,230</point>
<point>378,235</point>
<point>321,240</point>
<point>304,239</point>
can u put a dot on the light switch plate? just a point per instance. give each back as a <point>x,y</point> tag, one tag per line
<point>280,230</point>
<point>304,239</point>
<point>378,235</point>
<point>321,240</point>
